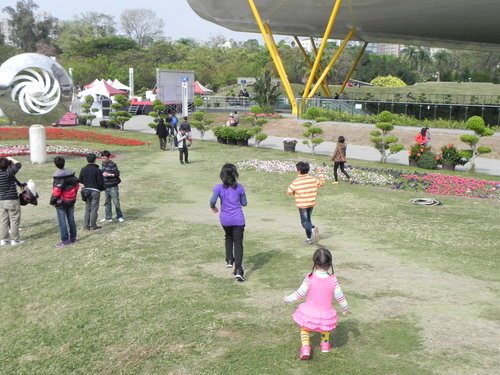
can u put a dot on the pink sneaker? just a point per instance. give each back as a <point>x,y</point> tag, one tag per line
<point>325,347</point>
<point>305,352</point>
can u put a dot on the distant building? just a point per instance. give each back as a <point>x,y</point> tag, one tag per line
<point>6,31</point>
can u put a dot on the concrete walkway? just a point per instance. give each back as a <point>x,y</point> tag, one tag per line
<point>483,165</point>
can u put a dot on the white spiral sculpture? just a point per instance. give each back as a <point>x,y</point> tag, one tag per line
<point>36,94</point>
<point>34,89</point>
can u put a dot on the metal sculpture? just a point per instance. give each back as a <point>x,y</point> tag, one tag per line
<point>34,89</point>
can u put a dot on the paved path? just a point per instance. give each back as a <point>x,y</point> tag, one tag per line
<point>483,165</point>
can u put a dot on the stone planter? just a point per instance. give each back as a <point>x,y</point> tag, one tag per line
<point>449,166</point>
<point>221,140</point>
<point>412,163</point>
<point>289,147</point>
<point>243,142</point>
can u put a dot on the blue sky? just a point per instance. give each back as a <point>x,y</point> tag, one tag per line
<point>181,21</point>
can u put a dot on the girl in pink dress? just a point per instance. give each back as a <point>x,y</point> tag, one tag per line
<point>317,314</point>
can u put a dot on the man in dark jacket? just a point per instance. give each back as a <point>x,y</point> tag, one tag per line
<point>111,176</point>
<point>162,133</point>
<point>10,209</point>
<point>64,191</point>
<point>93,184</point>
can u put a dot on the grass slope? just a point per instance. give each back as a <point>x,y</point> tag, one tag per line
<point>152,296</point>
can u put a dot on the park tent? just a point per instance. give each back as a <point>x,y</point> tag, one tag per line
<point>200,89</point>
<point>93,83</point>
<point>120,86</point>
<point>101,88</point>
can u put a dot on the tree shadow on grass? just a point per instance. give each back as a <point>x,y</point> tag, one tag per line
<point>257,261</point>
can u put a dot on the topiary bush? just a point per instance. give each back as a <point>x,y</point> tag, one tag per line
<point>428,160</point>
<point>388,81</point>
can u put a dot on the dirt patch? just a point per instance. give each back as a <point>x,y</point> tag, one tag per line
<point>359,134</point>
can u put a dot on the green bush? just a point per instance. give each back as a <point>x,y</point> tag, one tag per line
<point>427,160</point>
<point>388,81</point>
<point>321,119</point>
<point>260,121</point>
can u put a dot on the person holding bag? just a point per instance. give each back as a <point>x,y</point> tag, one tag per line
<point>10,209</point>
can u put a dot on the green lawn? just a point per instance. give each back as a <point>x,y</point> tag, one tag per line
<point>151,295</point>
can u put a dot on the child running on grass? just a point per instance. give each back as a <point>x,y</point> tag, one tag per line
<point>317,314</point>
<point>305,188</point>
<point>232,199</point>
<point>339,159</point>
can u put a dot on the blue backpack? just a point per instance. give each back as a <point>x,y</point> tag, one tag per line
<point>174,120</point>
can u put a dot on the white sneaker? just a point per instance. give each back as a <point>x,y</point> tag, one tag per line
<point>104,220</point>
<point>3,242</point>
<point>14,242</point>
<point>121,219</point>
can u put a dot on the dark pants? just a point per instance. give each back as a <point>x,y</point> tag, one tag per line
<point>66,219</point>
<point>91,210</point>
<point>305,219</point>
<point>163,142</point>
<point>336,166</point>
<point>234,245</point>
<point>183,155</point>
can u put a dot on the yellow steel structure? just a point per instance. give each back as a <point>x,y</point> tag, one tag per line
<point>324,86</point>
<point>322,47</point>
<point>320,68</point>
<point>332,62</point>
<point>317,73</point>
<point>356,62</point>
<point>265,30</point>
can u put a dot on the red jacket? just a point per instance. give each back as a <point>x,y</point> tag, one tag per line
<point>64,188</point>
<point>421,139</point>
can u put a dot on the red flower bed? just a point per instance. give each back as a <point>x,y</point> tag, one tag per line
<point>15,133</point>
<point>457,186</point>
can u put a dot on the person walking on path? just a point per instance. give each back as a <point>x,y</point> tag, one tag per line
<point>162,133</point>
<point>186,126</point>
<point>10,208</point>
<point>64,191</point>
<point>111,176</point>
<point>182,145</point>
<point>305,189</point>
<point>232,198</point>
<point>317,314</point>
<point>339,159</point>
<point>93,184</point>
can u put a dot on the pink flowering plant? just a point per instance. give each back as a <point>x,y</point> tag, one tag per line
<point>431,183</point>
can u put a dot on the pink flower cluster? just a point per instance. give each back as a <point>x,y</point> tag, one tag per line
<point>458,186</point>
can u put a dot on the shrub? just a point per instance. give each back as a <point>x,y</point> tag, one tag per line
<point>428,160</point>
<point>451,155</point>
<point>386,144</point>
<point>260,121</point>
<point>388,81</point>
<point>259,138</point>
<point>477,125</point>
<point>313,136</point>
<point>321,119</point>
